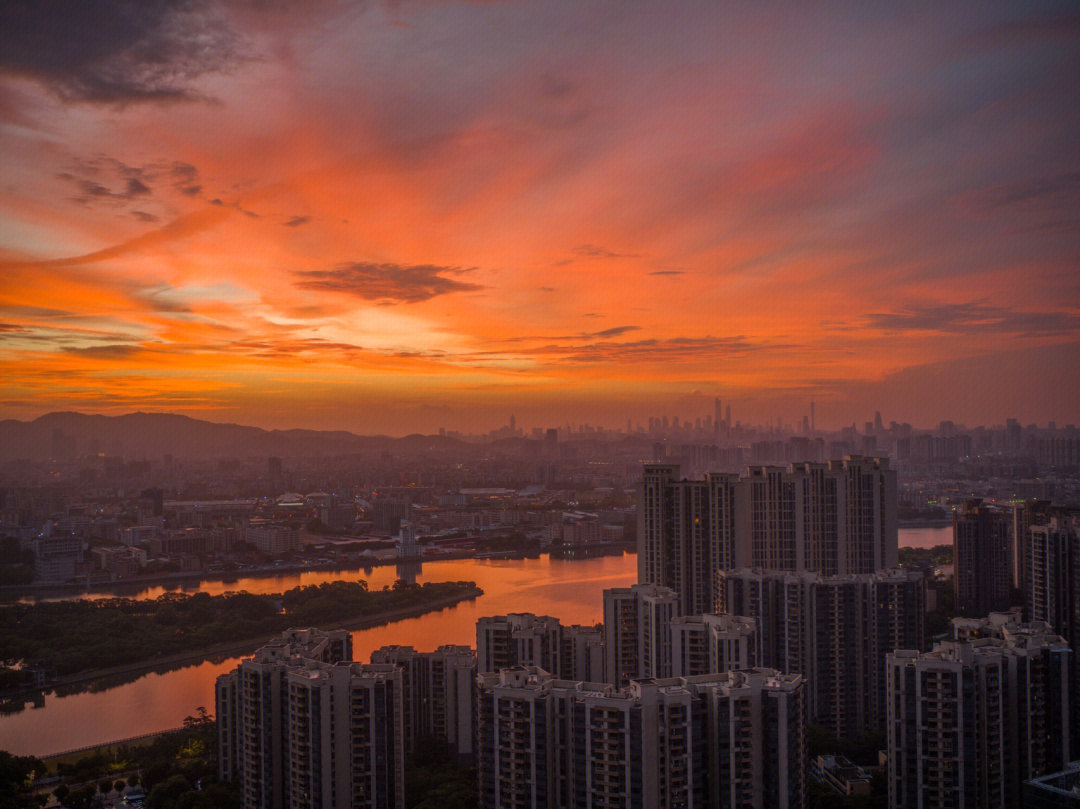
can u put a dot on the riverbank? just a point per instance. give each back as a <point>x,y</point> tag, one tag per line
<point>124,587</point>
<point>86,679</point>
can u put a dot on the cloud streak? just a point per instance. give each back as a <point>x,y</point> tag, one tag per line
<point>388,283</point>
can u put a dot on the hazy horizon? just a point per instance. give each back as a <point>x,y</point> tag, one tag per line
<point>396,217</point>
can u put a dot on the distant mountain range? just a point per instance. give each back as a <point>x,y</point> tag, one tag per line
<point>153,435</point>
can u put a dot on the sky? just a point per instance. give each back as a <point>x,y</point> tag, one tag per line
<point>392,217</point>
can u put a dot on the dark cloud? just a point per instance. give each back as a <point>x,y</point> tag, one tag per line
<point>595,251</point>
<point>388,283</point>
<point>675,349</point>
<point>297,221</point>
<point>33,311</point>
<point>117,351</point>
<point>111,181</point>
<point>93,189</point>
<point>615,332</point>
<point>974,317</point>
<point>668,272</point>
<point>236,206</point>
<point>116,51</point>
<point>184,173</point>
<point>136,187</point>
<point>143,216</point>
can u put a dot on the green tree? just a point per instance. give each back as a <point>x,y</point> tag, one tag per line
<point>165,794</point>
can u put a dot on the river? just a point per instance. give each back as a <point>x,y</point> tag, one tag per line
<point>569,590</point>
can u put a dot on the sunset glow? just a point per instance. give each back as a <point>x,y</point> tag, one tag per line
<point>396,216</point>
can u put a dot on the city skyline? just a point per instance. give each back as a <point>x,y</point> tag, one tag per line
<point>395,217</point>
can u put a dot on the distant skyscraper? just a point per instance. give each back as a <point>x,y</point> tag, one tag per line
<point>982,572</point>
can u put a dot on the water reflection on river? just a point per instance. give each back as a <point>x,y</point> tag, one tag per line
<point>569,590</point>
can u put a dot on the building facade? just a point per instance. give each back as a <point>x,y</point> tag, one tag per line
<point>637,632</point>
<point>972,719</point>
<point>982,558</point>
<point>834,630</point>
<point>302,727</point>
<point>724,740</point>
<point>835,519</point>
<point>437,695</point>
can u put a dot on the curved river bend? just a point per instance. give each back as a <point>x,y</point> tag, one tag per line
<point>569,590</point>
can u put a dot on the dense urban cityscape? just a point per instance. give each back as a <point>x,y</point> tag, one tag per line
<point>772,643</point>
<point>480,404</point>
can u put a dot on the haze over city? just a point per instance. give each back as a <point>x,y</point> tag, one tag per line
<point>394,217</point>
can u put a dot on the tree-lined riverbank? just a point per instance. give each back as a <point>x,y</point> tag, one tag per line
<point>83,640</point>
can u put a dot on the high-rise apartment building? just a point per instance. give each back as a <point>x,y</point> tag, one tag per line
<point>712,643</point>
<point>723,740</point>
<point>517,639</point>
<point>835,518</point>
<point>1024,515</point>
<point>834,630</point>
<point>972,719</point>
<point>437,695</point>
<point>524,639</point>
<point>982,559</point>
<point>300,726</point>
<point>1052,585</point>
<point>1053,573</point>
<point>637,634</point>
<point>686,531</point>
<point>582,655</point>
